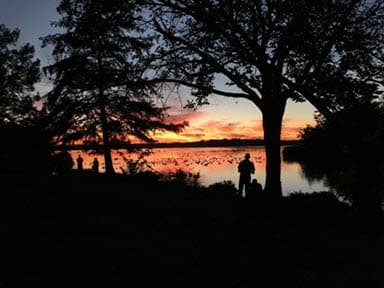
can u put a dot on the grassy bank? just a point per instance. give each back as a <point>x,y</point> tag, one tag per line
<point>99,231</point>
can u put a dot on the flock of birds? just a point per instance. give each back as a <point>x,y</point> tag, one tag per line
<point>192,160</point>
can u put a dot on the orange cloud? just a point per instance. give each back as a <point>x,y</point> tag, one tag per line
<point>292,127</point>
<point>185,116</point>
<point>222,129</point>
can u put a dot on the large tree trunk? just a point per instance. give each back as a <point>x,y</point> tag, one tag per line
<point>272,123</point>
<point>105,129</point>
<point>103,117</point>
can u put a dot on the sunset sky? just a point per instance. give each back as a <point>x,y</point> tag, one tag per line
<point>223,118</point>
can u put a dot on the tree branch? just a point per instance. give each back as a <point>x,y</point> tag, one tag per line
<point>251,95</point>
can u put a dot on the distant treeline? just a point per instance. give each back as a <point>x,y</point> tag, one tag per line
<point>202,143</point>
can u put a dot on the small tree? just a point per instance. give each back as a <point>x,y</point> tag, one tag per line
<point>98,96</point>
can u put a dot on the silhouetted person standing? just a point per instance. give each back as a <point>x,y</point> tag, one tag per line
<point>95,165</point>
<point>79,161</point>
<point>245,168</point>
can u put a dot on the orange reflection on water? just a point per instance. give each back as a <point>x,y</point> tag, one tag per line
<point>213,164</point>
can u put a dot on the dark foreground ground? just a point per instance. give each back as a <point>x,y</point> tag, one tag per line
<point>85,231</point>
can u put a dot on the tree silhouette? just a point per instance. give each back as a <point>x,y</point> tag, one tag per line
<point>19,71</point>
<point>327,53</point>
<point>355,168</point>
<point>98,96</point>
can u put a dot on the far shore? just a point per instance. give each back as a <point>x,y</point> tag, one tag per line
<point>203,143</point>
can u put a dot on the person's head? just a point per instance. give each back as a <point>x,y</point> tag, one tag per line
<point>247,156</point>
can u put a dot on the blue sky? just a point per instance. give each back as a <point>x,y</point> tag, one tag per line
<point>33,18</point>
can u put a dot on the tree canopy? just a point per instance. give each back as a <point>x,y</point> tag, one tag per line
<point>320,52</point>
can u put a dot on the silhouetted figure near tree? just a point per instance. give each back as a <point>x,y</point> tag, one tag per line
<point>95,165</point>
<point>254,191</point>
<point>254,195</point>
<point>245,168</point>
<point>79,161</point>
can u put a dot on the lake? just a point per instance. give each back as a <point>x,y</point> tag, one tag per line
<point>213,164</point>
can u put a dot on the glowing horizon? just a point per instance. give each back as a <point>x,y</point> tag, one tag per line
<point>216,130</point>
<point>233,120</point>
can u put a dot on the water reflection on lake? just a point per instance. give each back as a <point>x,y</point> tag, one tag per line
<point>214,164</point>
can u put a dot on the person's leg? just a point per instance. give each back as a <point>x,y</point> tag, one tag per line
<point>247,190</point>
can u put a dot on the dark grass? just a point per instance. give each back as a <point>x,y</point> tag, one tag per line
<point>100,231</point>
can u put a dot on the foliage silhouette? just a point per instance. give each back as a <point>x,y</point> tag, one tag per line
<point>19,71</point>
<point>62,162</point>
<point>351,165</point>
<point>222,191</point>
<point>24,150</point>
